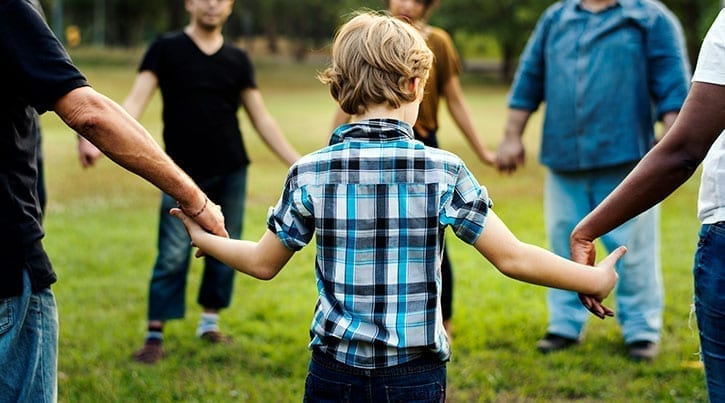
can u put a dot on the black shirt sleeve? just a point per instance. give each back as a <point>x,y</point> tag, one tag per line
<point>36,68</point>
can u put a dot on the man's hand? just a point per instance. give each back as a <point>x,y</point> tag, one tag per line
<point>510,154</point>
<point>583,251</point>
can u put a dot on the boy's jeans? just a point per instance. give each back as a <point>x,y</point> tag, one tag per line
<point>709,273</point>
<point>639,292</point>
<point>422,380</point>
<point>29,346</point>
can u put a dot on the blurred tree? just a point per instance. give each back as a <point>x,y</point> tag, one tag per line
<point>311,23</point>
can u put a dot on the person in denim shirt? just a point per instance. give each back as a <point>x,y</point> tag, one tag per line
<point>606,70</point>
<point>377,202</point>
<point>696,137</point>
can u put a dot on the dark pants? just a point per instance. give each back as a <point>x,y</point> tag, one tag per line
<point>421,380</point>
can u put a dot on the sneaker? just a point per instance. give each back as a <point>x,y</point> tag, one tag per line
<point>215,337</point>
<point>150,353</point>
<point>643,350</point>
<point>553,342</point>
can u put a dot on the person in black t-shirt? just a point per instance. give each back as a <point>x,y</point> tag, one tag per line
<point>36,75</point>
<point>202,81</point>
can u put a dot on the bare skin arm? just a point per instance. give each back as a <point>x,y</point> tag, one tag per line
<point>511,153</point>
<point>118,135</point>
<point>262,259</point>
<point>532,264</point>
<point>143,89</point>
<point>462,117</point>
<point>267,127</point>
<point>667,166</point>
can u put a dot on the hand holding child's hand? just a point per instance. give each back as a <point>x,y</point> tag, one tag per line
<point>609,279</point>
<point>192,227</point>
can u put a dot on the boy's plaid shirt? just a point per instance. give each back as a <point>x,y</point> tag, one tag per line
<point>378,202</point>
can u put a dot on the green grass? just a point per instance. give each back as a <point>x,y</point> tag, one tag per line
<point>101,231</point>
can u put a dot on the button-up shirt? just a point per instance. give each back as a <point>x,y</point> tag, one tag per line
<point>378,202</point>
<point>605,77</point>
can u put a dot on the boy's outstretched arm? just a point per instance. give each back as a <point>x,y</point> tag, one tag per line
<point>262,259</point>
<point>532,264</point>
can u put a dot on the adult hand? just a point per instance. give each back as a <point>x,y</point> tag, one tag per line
<point>209,217</point>
<point>510,154</point>
<point>583,251</point>
<point>87,152</point>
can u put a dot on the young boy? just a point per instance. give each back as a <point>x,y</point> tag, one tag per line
<point>378,202</point>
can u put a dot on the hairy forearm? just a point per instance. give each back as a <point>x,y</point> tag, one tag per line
<point>118,135</point>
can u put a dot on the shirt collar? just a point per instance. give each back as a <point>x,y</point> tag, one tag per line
<point>373,129</point>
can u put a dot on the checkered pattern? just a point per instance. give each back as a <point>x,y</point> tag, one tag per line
<point>378,202</point>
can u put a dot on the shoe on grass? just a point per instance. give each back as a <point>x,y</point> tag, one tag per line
<point>553,342</point>
<point>215,337</point>
<point>150,353</point>
<point>643,350</point>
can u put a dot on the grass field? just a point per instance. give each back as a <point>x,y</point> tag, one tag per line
<point>101,228</point>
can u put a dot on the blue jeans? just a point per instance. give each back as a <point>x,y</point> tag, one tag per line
<point>422,380</point>
<point>167,292</point>
<point>639,293</point>
<point>709,274</point>
<point>29,346</point>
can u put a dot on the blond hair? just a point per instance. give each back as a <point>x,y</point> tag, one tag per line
<point>374,58</point>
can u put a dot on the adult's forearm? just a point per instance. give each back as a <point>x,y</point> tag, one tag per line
<point>118,135</point>
<point>666,167</point>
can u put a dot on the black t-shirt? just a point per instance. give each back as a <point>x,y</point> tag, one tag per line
<point>201,97</point>
<point>35,71</point>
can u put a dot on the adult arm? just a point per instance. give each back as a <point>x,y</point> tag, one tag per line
<point>262,259</point>
<point>462,117</point>
<point>511,153</point>
<point>665,168</point>
<point>119,136</point>
<point>267,127</point>
<point>135,103</point>
<point>141,92</point>
<point>532,264</point>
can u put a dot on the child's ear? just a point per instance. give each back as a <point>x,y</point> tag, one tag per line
<point>416,86</point>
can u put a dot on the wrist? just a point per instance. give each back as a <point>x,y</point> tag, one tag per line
<point>193,213</point>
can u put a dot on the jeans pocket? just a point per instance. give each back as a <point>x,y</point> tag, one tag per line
<point>6,315</point>
<point>318,389</point>
<point>428,393</point>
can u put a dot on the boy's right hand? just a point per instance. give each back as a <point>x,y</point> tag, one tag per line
<point>192,227</point>
<point>609,276</point>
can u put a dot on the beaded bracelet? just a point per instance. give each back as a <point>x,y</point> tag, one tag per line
<point>206,201</point>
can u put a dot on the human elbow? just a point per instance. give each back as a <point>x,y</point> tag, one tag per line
<point>264,271</point>
<point>86,116</point>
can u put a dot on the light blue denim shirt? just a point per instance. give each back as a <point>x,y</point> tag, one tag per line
<point>605,78</point>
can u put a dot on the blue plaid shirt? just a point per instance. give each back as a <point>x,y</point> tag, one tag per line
<point>379,202</point>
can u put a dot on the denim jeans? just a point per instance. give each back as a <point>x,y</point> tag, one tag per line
<point>422,380</point>
<point>639,293</point>
<point>167,292</point>
<point>29,346</point>
<point>709,274</point>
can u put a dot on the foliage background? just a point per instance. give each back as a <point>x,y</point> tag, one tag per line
<point>500,27</point>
